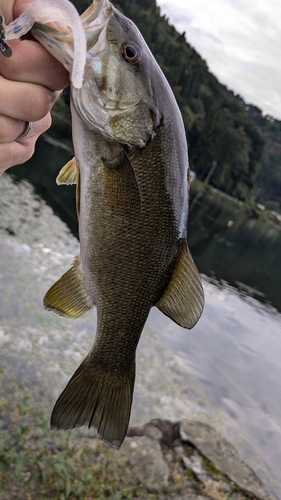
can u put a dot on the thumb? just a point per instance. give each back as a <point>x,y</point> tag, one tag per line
<point>20,6</point>
<point>11,9</point>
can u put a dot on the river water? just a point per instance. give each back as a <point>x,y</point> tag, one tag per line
<point>226,371</point>
<point>235,349</point>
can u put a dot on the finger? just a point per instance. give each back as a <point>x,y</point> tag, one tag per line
<point>15,153</point>
<point>32,63</point>
<point>11,9</point>
<point>25,101</point>
<point>21,5</point>
<point>36,129</point>
<point>10,129</point>
<point>18,152</point>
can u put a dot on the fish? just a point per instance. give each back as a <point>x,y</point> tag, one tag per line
<point>132,181</point>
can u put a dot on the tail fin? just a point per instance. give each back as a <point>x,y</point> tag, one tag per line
<point>99,399</point>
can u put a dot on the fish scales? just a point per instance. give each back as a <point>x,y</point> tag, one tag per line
<point>131,173</point>
<point>133,240</point>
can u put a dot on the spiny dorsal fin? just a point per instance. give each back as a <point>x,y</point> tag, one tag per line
<point>68,296</point>
<point>183,299</point>
<point>68,174</point>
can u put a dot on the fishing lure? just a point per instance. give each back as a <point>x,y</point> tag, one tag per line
<point>40,11</point>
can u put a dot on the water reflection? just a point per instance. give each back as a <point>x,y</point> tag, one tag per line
<point>235,352</point>
<point>243,253</point>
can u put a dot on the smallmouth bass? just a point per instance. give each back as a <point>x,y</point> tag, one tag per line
<point>131,172</point>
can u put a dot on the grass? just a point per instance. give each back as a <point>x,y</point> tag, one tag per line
<point>39,464</point>
<point>36,463</point>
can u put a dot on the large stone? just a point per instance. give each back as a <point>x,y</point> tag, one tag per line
<point>224,456</point>
<point>164,431</point>
<point>195,464</point>
<point>146,454</point>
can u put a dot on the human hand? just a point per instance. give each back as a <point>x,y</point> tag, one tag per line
<point>30,82</point>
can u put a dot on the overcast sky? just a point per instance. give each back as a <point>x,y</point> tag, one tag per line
<point>241,42</point>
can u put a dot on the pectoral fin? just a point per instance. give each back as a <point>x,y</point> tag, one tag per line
<point>183,299</point>
<point>68,296</point>
<point>69,173</point>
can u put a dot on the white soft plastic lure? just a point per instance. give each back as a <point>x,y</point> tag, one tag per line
<point>61,11</point>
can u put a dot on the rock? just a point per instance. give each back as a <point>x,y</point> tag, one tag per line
<point>192,445</point>
<point>164,431</point>
<point>146,454</point>
<point>195,464</point>
<point>169,430</point>
<point>224,456</point>
<point>148,430</point>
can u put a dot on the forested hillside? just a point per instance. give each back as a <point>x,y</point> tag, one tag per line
<point>267,188</point>
<point>220,126</point>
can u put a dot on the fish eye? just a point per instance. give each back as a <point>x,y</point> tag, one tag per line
<point>131,52</point>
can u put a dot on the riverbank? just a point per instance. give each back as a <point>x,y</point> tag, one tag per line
<point>159,460</point>
<point>259,211</point>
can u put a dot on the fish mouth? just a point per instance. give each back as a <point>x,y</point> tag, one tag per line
<point>60,43</point>
<point>95,20</point>
<point>97,100</point>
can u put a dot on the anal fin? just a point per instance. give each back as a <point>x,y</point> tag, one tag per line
<point>68,296</point>
<point>183,299</point>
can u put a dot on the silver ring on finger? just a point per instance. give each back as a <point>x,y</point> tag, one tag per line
<point>25,132</point>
